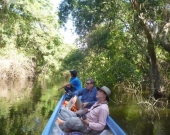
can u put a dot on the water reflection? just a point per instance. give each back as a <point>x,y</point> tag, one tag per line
<point>15,88</point>
<point>26,106</point>
<point>135,121</point>
<point>33,128</point>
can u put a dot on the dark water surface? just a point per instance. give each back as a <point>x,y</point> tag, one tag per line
<point>25,108</point>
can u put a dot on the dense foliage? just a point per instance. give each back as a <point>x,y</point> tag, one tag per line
<point>126,40</point>
<point>30,29</point>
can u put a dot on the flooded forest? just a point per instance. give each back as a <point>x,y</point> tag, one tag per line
<point>122,44</point>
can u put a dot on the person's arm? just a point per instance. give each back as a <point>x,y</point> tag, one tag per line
<point>101,123</point>
<point>78,92</point>
<point>68,84</point>
<point>73,82</point>
<point>85,121</point>
<point>90,103</point>
<point>85,104</point>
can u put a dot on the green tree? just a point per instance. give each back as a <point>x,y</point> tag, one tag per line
<point>32,28</point>
<point>133,28</point>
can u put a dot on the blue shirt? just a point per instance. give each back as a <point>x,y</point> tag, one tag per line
<point>76,83</point>
<point>87,96</point>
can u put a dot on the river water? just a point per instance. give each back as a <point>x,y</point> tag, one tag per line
<point>26,106</point>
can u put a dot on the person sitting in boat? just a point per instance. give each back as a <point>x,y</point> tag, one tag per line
<point>73,85</point>
<point>94,119</point>
<point>87,94</point>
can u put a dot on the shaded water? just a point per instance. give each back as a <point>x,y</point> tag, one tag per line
<point>26,106</point>
<point>136,122</point>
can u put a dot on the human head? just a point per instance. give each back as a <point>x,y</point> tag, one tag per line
<point>106,91</point>
<point>90,83</point>
<point>73,73</point>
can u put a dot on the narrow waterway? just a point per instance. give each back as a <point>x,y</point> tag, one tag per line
<point>26,106</point>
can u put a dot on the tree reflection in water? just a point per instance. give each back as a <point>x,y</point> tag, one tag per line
<point>26,106</point>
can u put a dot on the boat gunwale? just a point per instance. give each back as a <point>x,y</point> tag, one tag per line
<point>50,124</point>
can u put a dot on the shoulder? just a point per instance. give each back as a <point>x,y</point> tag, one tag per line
<point>94,89</point>
<point>84,90</point>
<point>104,106</point>
<point>76,79</point>
<point>73,80</point>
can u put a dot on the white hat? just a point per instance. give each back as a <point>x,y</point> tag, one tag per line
<point>106,90</point>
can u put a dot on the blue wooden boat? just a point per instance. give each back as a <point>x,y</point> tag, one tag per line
<point>113,126</point>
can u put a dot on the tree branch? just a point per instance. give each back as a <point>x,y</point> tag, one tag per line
<point>164,42</point>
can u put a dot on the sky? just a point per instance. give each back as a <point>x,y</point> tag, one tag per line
<point>67,33</point>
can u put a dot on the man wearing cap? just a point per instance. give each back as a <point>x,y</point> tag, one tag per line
<point>74,84</point>
<point>95,116</point>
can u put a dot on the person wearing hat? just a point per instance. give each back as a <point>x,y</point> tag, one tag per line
<point>94,120</point>
<point>73,85</point>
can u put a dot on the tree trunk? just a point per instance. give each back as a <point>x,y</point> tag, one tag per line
<point>155,79</point>
<point>155,75</point>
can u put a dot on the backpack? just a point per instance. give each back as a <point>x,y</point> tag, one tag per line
<point>75,133</point>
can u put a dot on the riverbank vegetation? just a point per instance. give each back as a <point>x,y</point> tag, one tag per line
<point>30,41</point>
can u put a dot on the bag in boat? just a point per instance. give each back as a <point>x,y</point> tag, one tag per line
<point>71,107</point>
